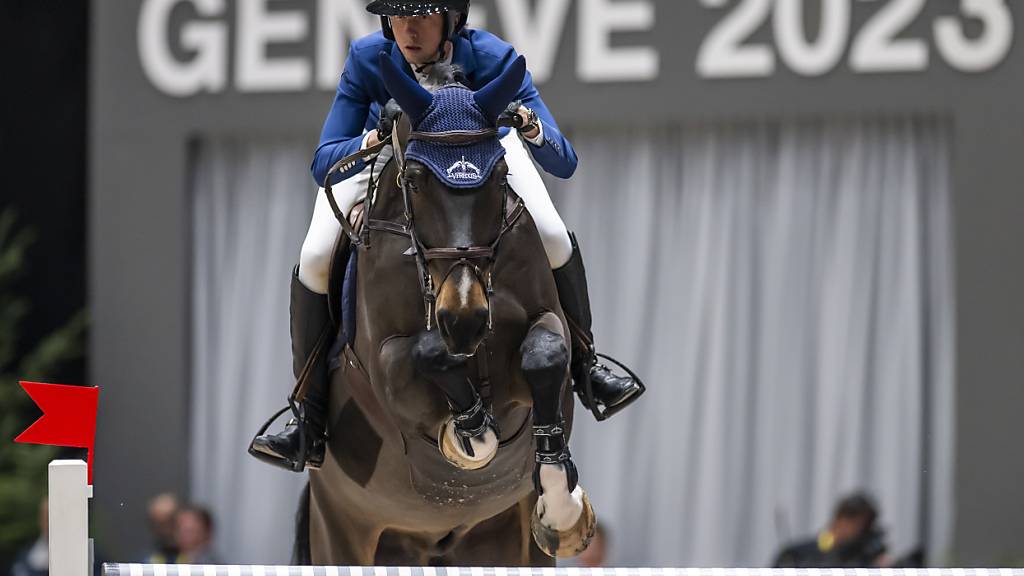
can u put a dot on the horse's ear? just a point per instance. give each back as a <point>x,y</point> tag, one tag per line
<point>494,98</point>
<point>412,97</point>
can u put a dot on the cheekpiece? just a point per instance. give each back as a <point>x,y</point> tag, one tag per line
<point>456,165</point>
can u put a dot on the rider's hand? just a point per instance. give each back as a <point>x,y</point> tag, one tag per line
<point>524,115</point>
<point>372,139</point>
<point>386,121</point>
<point>518,116</point>
<point>510,116</point>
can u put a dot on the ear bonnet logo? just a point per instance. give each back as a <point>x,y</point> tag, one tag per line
<point>462,165</point>
<point>464,171</point>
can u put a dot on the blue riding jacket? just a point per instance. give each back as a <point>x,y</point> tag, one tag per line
<point>482,56</point>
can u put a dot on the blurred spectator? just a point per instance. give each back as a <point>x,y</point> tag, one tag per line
<point>193,534</point>
<point>852,540</point>
<point>596,554</point>
<point>35,560</point>
<point>162,511</point>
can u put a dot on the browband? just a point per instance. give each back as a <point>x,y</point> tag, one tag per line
<point>455,137</point>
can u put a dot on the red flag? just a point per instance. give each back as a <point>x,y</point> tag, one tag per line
<point>69,416</point>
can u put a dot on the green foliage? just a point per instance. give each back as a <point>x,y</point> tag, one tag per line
<point>23,467</point>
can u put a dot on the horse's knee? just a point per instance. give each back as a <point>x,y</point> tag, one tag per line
<point>430,355</point>
<point>428,350</point>
<point>545,355</point>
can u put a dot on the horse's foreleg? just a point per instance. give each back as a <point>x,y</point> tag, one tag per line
<point>563,520</point>
<point>468,439</point>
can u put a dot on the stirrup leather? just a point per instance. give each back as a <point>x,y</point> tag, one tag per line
<point>298,419</point>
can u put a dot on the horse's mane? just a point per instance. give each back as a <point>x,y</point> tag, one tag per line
<point>442,74</point>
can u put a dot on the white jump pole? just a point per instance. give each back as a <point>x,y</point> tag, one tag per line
<point>181,570</point>
<point>69,518</point>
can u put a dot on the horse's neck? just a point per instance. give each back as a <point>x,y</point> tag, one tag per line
<point>388,203</point>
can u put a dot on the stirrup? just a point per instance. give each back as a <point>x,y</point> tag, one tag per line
<point>552,451</point>
<point>585,390</point>
<point>299,464</point>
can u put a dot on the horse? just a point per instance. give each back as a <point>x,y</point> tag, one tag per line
<point>450,407</point>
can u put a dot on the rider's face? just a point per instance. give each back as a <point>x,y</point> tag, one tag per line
<point>418,37</point>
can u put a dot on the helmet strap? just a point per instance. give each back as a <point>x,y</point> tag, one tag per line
<point>439,55</point>
<point>385,26</point>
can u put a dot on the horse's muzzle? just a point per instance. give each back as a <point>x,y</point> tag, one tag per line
<point>462,330</point>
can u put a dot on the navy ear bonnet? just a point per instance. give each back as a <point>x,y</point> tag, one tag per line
<point>456,166</point>
<point>454,108</point>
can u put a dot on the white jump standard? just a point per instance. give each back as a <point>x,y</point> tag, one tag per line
<point>69,543</point>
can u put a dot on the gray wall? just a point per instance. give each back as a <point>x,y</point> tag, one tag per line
<point>140,212</point>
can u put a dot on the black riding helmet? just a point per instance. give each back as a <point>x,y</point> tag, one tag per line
<point>385,8</point>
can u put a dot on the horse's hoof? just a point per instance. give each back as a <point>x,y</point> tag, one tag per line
<point>452,451</point>
<point>565,543</point>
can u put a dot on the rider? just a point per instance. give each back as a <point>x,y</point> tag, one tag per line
<point>418,34</point>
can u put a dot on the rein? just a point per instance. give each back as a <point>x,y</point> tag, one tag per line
<point>468,256</point>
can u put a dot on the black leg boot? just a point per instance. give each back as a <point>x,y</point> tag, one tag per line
<point>303,441</point>
<point>600,390</point>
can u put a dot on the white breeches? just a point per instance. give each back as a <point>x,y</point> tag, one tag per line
<point>315,258</point>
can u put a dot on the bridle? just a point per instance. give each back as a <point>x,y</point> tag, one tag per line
<point>478,259</point>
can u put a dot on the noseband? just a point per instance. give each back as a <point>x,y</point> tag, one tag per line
<point>479,259</point>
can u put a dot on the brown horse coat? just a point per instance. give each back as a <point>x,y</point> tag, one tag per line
<point>385,494</point>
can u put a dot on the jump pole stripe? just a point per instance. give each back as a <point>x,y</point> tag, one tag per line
<point>235,570</point>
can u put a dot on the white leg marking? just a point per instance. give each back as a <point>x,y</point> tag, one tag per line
<point>484,446</point>
<point>559,509</point>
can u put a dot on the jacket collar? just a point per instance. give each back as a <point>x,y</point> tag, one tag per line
<point>463,57</point>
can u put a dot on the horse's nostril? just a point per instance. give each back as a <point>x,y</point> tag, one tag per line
<point>442,323</point>
<point>444,316</point>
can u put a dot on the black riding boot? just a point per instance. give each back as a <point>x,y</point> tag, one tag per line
<point>610,392</point>
<point>302,443</point>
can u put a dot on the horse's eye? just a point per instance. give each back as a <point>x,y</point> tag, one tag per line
<point>413,179</point>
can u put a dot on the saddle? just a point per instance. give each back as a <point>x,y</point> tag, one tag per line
<point>341,279</point>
